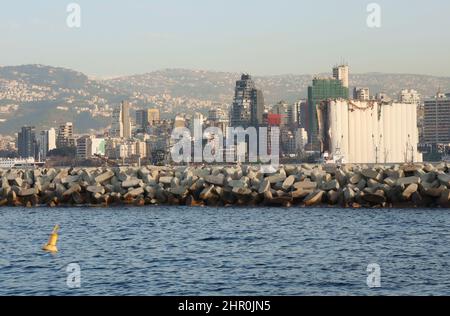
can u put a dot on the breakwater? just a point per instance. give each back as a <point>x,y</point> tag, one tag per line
<point>418,185</point>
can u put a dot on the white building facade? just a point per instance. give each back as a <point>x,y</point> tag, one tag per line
<point>361,94</point>
<point>341,72</point>
<point>121,123</point>
<point>47,142</point>
<point>371,132</point>
<point>410,97</point>
<point>89,146</point>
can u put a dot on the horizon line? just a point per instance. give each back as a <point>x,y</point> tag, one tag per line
<point>113,77</point>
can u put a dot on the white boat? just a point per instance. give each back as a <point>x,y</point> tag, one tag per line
<point>9,163</point>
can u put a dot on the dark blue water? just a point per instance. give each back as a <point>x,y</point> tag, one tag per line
<point>186,251</point>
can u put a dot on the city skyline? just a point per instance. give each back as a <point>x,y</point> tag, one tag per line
<point>128,138</point>
<point>282,38</point>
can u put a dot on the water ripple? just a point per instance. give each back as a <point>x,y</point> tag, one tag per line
<point>209,251</point>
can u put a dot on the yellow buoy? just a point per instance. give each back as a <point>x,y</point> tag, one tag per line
<point>51,245</point>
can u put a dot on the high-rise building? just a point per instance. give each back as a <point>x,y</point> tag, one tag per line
<point>84,147</point>
<point>436,122</point>
<point>257,108</point>
<point>147,117</point>
<point>26,142</point>
<point>361,94</point>
<point>288,145</point>
<point>65,136</point>
<point>88,146</point>
<point>217,117</point>
<point>126,119</point>
<point>197,118</point>
<point>153,116</point>
<point>282,109</point>
<point>409,96</point>
<point>121,124</point>
<point>301,139</point>
<point>117,125</point>
<point>304,114</point>
<point>342,73</point>
<point>47,142</point>
<point>141,119</point>
<point>320,91</point>
<point>51,139</point>
<point>294,111</point>
<point>248,105</point>
<point>240,109</point>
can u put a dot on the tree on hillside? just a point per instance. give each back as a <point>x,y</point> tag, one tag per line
<point>63,152</point>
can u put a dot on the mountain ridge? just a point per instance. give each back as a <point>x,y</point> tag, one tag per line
<point>45,96</point>
<point>109,78</point>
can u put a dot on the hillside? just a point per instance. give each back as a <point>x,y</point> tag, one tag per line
<point>218,86</point>
<point>45,96</point>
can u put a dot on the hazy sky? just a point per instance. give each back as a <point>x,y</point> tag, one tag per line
<point>258,36</point>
